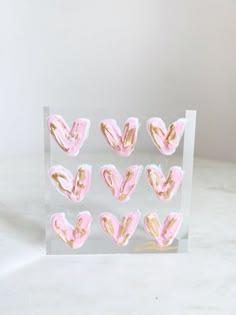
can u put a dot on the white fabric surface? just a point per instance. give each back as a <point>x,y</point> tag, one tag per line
<point>201,282</point>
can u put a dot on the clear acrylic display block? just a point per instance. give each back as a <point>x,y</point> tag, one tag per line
<point>96,152</point>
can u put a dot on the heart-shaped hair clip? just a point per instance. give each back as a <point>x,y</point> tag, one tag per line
<point>165,188</point>
<point>121,188</point>
<point>122,143</point>
<point>163,234</point>
<point>74,188</point>
<point>76,236</point>
<point>69,140</point>
<point>166,140</point>
<point>121,233</point>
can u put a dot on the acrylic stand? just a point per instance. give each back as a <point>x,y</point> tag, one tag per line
<point>96,152</point>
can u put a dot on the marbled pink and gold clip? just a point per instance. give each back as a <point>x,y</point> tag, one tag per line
<point>163,234</point>
<point>121,188</point>
<point>121,233</point>
<point>73,237</point>
<point>165,188</point>
<point>74,188</point>
<point>166,140</point>
<point>70,140</point>
<point>122,143</point>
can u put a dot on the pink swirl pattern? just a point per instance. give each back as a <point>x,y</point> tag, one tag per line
<point>163,234</point>
<point>122,143</point>
<point>73,237</point>
<point>69,140</point>
<point>121,188</point>
<point>74,188</point>
<point>121,233</point>
<point>166,140</point>
<point>165,188</point>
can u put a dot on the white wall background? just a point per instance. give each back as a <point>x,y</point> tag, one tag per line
<point>138,53</point>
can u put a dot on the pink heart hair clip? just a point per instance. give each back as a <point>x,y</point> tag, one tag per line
<point>73,237</point>
<point>69,140</point>
<point>122,143</point>
<point>121,188</point>
<point>166,140</point>
<point>163,234</point>
<point>121,233</point>
<point>165,188</point>
<point>74,188</point>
